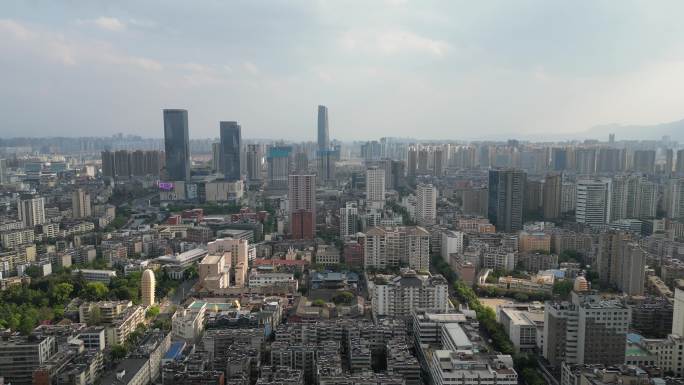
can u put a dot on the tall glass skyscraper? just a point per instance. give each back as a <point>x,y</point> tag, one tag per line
<point>231,142</point>
<point>177,144</point>
<point>506,192</point>
<point>323,139</point>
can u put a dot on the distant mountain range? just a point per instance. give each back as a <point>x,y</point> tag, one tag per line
<point>675,130</point>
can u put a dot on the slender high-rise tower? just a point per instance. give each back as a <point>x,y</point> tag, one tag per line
<point>506,192</point>
<point>302,202</point>
<point>552,196</point>
<point>231,138</point>
<point>177,144</point>
<point>375,187</point>
<point>323,139</point>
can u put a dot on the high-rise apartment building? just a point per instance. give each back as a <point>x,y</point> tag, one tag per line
<point>396,246</point>
<point>231,147</point>
<point>585,161</point>
<point>593,201</point>
<point>323,139</point>
<point>279,166</point>
<point>426,204</point>
<point>533,199</point>
<point>122,163</point>
<point>326,166</point>
<point>108,164</point>
<point>423,161</point>
<point>668,167</point>
<point>568,197</point>
<point>80,204</point>
<point>439,158</point>
<point>551,196</point>
<point>647,202</point>
<point>674,198</point>
<point>410,291</point>
<point>3,171</point>
<point>506,196</point>
<point>560,158</point>
<point>349,217</point>
<point>412,161</point>
<point>301,161</point>
<point>31,211</point>
<point>398,174</point>
<point>253,158</point>
<point>216,157</point>
<point>302,202</point>
<point>611,160</point>
<point>608,257</point>
<point>624,191</point>
<point>143,163</point>
<point>587,330</point>
<point>679,168</point>
<point>644,161</point>
<point>633,274</point>
<point>375,187</point>
<point>177,145</point>
<point>475,201</point>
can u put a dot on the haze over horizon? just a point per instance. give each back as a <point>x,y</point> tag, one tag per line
<point>428,70</point>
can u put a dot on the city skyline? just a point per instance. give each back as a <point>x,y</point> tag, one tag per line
<point>385,192</point>
<point>392,68</point>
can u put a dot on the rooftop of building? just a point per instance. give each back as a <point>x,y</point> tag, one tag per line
<point>211,259</point>
<point>125,371</point>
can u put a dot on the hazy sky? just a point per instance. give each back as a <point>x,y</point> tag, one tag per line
<point>427,69</point>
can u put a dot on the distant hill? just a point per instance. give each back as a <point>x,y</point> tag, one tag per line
<point>675,130</point>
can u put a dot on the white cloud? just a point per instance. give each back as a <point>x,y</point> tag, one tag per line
<point>391,42</point>
<point>106,23</point>
<point>250,67</point>
<point>66,50</point>
<point>17,30</point>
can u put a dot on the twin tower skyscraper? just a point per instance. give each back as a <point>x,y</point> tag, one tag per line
<point>177,147</point>
<point>177,144</point>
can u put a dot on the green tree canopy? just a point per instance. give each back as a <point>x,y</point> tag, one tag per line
<point>94,291</point>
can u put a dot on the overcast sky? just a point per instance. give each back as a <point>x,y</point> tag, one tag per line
<point>426,69</point>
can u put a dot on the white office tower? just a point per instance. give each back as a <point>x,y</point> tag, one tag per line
<point>426,204</point>
<point>32,211</point>
<point>375,187</point>
<point>674,198</point>
<point>593,201</point>
<point>147,287</point>
<point>349,217</point>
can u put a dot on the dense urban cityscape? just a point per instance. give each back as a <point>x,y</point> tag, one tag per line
<point>355,192</point>
<point>385,262</point>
